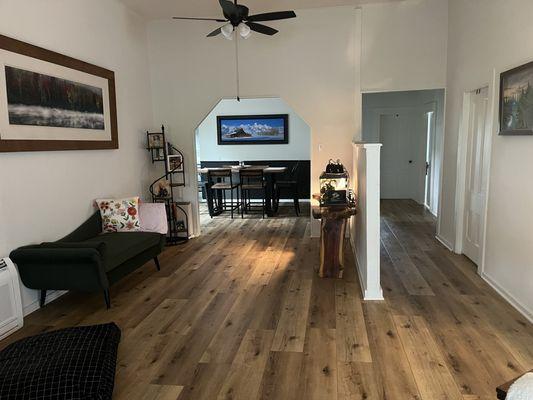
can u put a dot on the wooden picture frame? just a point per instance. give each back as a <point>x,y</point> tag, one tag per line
<point>56,137</point>
<point>280,123</point>
<point>516,96</point>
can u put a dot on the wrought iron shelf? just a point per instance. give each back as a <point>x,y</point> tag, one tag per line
<point>174,177</point>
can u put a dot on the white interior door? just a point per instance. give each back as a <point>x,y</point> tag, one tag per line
<point>477,166</point>
<point>430,156</point>
<point>403,156</point>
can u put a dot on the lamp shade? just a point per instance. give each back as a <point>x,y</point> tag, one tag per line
<point>227,31</point>
<point>244,30</point>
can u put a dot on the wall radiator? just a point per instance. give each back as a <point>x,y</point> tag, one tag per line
<point>11,315</point>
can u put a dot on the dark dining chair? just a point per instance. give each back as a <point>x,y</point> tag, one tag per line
<point>252,179</point>
<point>290,184</point>
<point>220,181</point>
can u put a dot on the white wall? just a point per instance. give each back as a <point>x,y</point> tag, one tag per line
<point>487,37</point>
<point>312,64</point>
<point>298,148</point>
<point>365,226</point>
<point>404,45</point>
<point>417,101</point>
<point>44,195</point>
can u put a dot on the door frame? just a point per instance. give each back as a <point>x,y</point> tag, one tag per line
<point>435,143</point>
<point>423,109</point>
<point>462,152</point>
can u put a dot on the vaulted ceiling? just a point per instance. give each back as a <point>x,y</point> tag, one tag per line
<point>161,9</point>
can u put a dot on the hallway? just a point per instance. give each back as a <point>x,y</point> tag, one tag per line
<point>456,331</point>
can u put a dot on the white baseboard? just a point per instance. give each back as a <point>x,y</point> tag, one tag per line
<point>357,263</point>
<point>444,242</point>
<point>528,314</point>
<point>366,295</point>
<point>428,209</point>
<point>50,296</point>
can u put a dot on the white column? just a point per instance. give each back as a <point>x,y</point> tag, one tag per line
<point>365,236</point>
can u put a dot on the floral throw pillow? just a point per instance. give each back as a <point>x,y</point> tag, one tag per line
<point>119,215</point>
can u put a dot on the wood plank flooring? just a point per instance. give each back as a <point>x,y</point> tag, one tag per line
<point>240,314</point>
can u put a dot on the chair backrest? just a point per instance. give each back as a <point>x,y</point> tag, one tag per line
<point>251,174</point>
<point>219,174</point>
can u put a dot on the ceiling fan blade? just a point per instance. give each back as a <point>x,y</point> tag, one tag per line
<point>265,30</point>
<point>272,16</point>
<point>215,32</point>
<point>202,19</point>
<point>228,7</point>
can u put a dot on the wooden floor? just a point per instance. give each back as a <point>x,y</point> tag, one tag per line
<point>239,314</point>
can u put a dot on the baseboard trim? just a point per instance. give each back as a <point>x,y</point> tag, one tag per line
<point>50,296</point>
<point>528,314</point>
<point>428,209</point>
<point>364,291</point>
<point>357,264</point>
<point>444,242</point>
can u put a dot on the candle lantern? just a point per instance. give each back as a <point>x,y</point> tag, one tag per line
<point>334,185</point>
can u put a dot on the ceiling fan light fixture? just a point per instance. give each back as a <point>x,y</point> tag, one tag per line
<point>227,31</point>
<point>244,30</point>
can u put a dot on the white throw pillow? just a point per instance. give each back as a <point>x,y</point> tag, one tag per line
<point>522,388</point>
<point>153,217</point>
<point>119,215</point>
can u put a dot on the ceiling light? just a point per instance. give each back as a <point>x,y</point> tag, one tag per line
<point>244,30</point>
<point>227,31</point>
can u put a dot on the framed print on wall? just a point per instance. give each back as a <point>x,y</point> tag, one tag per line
<point>253,129</point>
<point>49,101</point>
<point>516,101</point>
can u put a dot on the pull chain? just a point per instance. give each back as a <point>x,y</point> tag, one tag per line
<point>237,65</point>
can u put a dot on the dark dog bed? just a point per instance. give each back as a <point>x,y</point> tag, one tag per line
<point>73,363</point>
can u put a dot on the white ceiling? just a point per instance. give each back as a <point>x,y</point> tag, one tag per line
<point>161,9</point>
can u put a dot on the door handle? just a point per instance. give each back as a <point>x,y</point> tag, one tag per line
<point>427,167</point>
<point>410,161</point>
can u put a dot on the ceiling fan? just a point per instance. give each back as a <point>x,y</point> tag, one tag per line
<point>237,18</point>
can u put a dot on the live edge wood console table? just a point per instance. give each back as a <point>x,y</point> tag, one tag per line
<point>333,229</point>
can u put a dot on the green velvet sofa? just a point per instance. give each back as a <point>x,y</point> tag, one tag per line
<point>86,260</point>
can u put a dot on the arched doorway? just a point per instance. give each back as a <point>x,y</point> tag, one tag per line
<point>294,155</point>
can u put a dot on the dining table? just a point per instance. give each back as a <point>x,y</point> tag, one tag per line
<point>270,173</point>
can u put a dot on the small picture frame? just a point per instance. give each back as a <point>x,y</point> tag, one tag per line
<point>175,163</point>
<point>155,140</point>
<point>180,225</point>
<point>162,189</point>
<point>159,154</point>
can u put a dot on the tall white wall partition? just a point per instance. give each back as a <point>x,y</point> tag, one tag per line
<point>365,236</point>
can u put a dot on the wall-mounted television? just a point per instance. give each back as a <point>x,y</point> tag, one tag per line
<point>253,129</point>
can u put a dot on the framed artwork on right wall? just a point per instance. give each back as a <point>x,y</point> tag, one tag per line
<point>516,101</point>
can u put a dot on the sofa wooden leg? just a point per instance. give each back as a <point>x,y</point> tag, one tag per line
<point>107,299</point>
<point>42,297</point>
<point>156,260</point>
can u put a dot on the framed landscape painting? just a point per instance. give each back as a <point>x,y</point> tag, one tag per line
<point>516,101</point>
<point>49,101</point>
<point>253,129</point>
